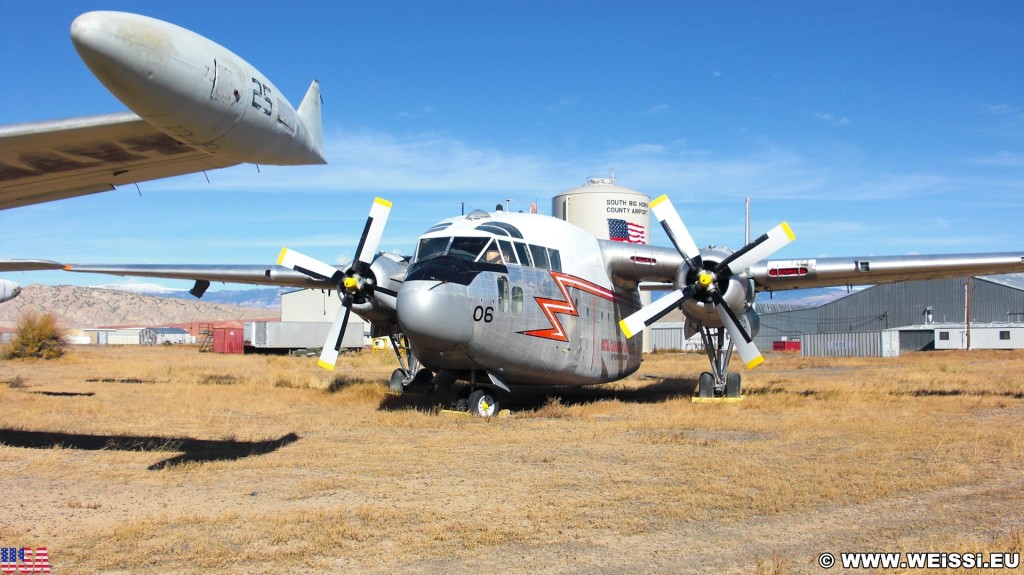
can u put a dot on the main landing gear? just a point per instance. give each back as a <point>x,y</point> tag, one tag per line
<point>720,382</point>
<point>476,399</point>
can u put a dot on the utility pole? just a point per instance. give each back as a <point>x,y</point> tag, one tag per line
<point>967,313</point>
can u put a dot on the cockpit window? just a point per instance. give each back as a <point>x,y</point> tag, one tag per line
<point>467,248</point>
<point>540,257</point>
<point>524,254</point>
<point>490,250</point>
<point>556,259</point>
<point>507,251</point>
<point>431,248</point>
<point>491,254</point>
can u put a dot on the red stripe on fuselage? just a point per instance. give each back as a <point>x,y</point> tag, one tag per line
<point>567,306</point>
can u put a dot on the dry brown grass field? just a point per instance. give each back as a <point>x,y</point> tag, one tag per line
<point>164,460</point>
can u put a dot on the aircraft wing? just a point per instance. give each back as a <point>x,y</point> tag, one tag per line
<point>244,274</point>
<point>46,161</point>
<point>777,275</point>
<point>28,265</point>
<point>655,267</point>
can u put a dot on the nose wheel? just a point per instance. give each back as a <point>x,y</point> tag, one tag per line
<point>479,401</point>
<point>483,403</point>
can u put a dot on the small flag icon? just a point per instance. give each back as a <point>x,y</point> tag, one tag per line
<point>24,560</point>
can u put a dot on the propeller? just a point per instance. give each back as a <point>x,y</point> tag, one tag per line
<point>354,284</point>
<point>707,282</point>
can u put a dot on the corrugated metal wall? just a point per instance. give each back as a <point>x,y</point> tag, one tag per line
<point>859,344</point>
<point>785,324</point>
<point>896,305</point>
<point>671,336</point>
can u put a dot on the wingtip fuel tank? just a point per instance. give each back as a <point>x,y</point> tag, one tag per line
<point>197,91</point>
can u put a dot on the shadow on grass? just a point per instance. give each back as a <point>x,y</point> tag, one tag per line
<point>192,450</point>
<point>960,392</point>
<point>529,398</point>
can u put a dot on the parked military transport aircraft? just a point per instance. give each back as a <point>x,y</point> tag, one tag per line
<point>197,106</point>
<point>504,299</point>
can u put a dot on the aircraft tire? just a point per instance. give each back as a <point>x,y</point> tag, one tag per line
<point>423,377</point>
<point>732,384</point>
<point>483,403</point>
<point>395,384</point>
<point>706,385</point>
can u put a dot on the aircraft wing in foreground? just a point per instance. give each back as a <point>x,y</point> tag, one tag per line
<point>195,106</point>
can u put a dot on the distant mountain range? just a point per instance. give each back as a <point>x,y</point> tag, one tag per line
<point>807,297</point>
<point>269,298</point>
<point>82,307</point>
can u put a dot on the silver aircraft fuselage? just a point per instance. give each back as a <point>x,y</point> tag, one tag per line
<point>525,299</point>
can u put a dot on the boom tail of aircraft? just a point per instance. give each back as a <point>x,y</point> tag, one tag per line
<point>197,91</point>
<point>8,290</point>
<point>195,106</point>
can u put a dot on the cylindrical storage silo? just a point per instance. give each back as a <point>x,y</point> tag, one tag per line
<point>610,212</point>
<point>606,210</point>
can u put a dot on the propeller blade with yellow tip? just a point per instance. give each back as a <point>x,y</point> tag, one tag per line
<point>372,233</point>
<point>310,266</point>
<point>757,250</point>
<point>674,227</point>
<point>332,345</point>
<point>350,283</point>
<point>647,315</point>
<point>749,353</point>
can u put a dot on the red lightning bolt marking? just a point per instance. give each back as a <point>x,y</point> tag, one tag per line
<point>567,306</point>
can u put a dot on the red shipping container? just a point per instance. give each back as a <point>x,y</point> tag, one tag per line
<point>785,346</point>
<point>228,340</point>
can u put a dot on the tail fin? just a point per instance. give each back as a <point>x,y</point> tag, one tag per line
<point>309,115</point>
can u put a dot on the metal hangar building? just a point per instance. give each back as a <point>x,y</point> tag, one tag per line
<point>918,312</point>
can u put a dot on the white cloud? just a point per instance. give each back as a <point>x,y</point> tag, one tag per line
<point>565,102</point>
<point>832,119</point>
<point>439,163</point>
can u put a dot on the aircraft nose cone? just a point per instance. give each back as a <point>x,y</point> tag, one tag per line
<point>137,58</point>
<point>434,315</point>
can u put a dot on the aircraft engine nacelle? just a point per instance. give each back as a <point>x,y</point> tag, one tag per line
<point>197,91</point>
<point>737,291</point>
<point>8,290</point>
<point>380,307</point>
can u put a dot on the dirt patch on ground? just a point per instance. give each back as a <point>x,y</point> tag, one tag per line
<point>267,472</point>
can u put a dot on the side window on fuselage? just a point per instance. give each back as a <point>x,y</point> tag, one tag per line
<point>517,299</point>
<point>503,294</point>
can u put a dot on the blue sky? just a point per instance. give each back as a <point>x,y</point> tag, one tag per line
<point>873,127</point>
